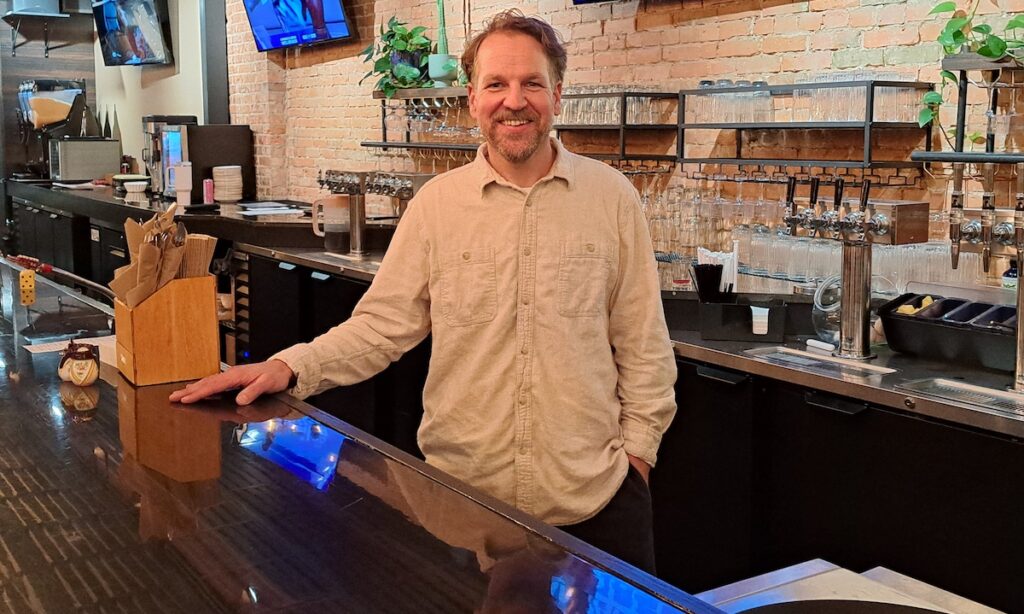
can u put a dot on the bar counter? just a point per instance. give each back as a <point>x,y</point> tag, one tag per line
<point>117,500</point>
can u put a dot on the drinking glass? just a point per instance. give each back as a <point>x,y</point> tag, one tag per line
<point>721,102</point>
<point>799,256</point>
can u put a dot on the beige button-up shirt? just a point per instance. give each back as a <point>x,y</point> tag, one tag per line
<point>550,359</point>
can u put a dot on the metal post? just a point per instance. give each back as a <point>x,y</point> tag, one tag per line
<point>356,225</point>
<point>855,312</point>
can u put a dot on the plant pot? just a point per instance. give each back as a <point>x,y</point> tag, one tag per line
<point>412,59</point>
<point>443,68</point>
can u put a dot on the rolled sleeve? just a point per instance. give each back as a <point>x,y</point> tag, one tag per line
<point>642,349</point>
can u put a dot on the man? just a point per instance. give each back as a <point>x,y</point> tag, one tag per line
<point>551,372</point>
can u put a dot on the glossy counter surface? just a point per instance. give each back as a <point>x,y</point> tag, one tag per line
<point>105,206</point>
<point>116,500</point>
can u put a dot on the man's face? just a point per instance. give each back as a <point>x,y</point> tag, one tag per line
<point>513,96</point>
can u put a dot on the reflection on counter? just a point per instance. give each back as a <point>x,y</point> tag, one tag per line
<point>302,447</point>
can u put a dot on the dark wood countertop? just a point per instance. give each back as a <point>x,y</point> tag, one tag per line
<point>117,499</point>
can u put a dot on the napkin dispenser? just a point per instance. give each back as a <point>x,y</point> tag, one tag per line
<point>172,336</point>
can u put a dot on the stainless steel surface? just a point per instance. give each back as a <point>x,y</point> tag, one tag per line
<point>881,390</point>
<point>822,364</point>
<point>984,399</point>
<point>83,159</point>
<point>357,225</point>
<point>926,592</point>
<point>855,310</point>
<point>152,152</point>
<point>342,264</point>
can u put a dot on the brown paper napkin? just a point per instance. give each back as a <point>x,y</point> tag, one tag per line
<point>148,272</point>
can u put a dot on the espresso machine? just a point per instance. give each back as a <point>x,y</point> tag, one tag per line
<point>51,109</point>
<point>152,153</point>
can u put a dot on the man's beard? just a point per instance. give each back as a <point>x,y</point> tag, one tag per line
<point>519,149</point>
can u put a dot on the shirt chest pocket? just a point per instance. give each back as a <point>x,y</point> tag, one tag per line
<point>469,287</point>
<point>583,269</point>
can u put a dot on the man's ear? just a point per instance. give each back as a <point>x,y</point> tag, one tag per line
<point>558,98</point>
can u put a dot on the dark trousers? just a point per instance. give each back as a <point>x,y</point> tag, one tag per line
<point>625,527</point>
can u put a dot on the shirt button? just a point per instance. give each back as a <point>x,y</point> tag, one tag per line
<point>527,251</point>
<point>590,247</point>
<point>524,351</point>
<point>465,255</point>
<point>529,204</point>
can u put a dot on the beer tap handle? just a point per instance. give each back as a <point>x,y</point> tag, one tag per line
<point>813,198</point>
<point>791,219</point>
<point>956,213</point>
<point>837,198</point>
<point>988,213</point>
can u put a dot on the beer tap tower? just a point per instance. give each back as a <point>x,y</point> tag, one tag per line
<point>883,222</point>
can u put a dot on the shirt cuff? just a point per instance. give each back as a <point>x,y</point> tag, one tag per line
<point>641,443</point>
<point>303,363</point>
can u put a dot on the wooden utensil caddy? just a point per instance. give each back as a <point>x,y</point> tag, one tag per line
<point>172,336</point>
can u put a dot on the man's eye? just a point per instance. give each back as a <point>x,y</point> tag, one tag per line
<point>492,86</point>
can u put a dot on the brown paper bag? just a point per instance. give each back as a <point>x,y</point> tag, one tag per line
<point>149,270</point>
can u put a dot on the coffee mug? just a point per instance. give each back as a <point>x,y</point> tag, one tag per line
<point>332,212</point>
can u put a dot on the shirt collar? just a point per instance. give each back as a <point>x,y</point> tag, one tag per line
<point>563,168</point>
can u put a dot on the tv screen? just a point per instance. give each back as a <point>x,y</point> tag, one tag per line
<point>132,32</point>
<point>289,23</point>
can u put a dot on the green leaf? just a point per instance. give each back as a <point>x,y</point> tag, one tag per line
<point>983,28</point>
<point>399,29</point>
<point>1014,44</point>
<point>420,41</point>
<point>957,23</point>
<point>424,60</point>
<point>959,38</point>
<point>925,116</point>
<point>404,71</point>
<point>400,45</point>
<point>1016,22</point>
<point>393,22</point>
<point>418,30</point>
<point>976,137</point>
<point>382,64</point>
<point>943,7</point>
<point>949,76</point>
<point>932,98</point>
<point>946,40</point>
<point>994,47</point>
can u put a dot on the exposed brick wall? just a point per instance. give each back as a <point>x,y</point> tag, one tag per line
<point>309,112</point>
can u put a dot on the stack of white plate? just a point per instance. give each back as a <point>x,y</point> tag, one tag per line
<point>227,184</point>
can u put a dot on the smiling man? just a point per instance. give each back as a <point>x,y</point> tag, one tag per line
<point>551,373</point>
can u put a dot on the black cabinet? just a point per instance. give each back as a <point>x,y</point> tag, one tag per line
<point>108,251</point>
<point>702,484</point>
<point>276,311</point>
<point>53,237</point>
<point>332,299</point>
<point>862,486</point>
<point>289,304</point>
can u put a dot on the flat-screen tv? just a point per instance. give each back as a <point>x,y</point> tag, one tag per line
<point>133,32</point>
<point>290,23</point>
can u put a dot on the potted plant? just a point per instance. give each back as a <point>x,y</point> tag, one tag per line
<point>974,45</point>
<point>399,56</point>
<point>442,66</point>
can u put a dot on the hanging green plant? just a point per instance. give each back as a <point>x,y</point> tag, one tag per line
<point>399,56</point>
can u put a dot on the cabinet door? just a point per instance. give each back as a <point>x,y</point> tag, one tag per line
<point>275,300</point>
<point>45,245</point>
<point>702,485</point>
<point>25,222</point>
<point>96,256</point>
<point>64,241</point>
<point>113,253</point>
<point>862,486</point>
<point>332,299</point>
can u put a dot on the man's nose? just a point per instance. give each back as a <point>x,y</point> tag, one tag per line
<point>514,98</point>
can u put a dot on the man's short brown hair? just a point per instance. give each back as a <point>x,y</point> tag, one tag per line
<point>513,20</point>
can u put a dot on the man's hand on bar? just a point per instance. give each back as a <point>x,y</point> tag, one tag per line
<point>254,380</point>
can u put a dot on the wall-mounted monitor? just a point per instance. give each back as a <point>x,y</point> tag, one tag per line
<point>133,32</point>
<point>289,23</point>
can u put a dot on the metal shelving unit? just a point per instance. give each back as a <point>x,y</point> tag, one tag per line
<point>623,126</point>
<point>868,126</point>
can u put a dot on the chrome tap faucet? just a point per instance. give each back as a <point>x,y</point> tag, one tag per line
<point>988,213</point>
